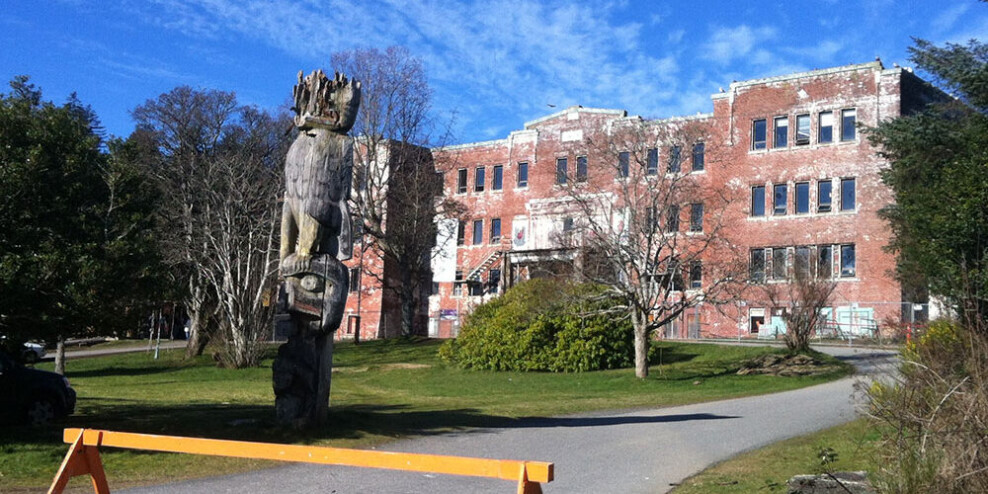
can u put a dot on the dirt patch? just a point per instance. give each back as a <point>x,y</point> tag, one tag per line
<point>404,365</point>
<point>786,365</point>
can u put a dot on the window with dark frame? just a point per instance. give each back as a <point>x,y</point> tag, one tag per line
<point>780,199</point>
<point>479,178</point>
<point>758,134</point>
<point>493,280</point>
<point>696,274</point>
<point>495,236</point>
<point>825,262</point>
<point>823,195</point>
<point>780,265</point>
<point>802,129</point>
<point>652,162</point>
<point>624,160</point>
<point>758,200</point>
<point>478,232</point>
<point>848,119</point>
<point>461,181</point>
<point>354,280</point>
<point>672,219</point>
<point>561,170</point>
<point>825,127</point>
<point>675,159</point>
<point>497,180</point>
<point>847,198</point>
<point>698,151</point>
<point>802,197</point>
<point>458,284</point>
<point>847,261</point>
<point>781,132</point>
<point>696,217</point>
<point>522,174</point>
<point>581,168</point>
<point>757,266</point>
<point>461,232</point>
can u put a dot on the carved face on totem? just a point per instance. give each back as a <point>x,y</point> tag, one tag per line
<point>321,102</point>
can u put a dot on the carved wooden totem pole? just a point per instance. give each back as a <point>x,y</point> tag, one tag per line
<point>315,237</point>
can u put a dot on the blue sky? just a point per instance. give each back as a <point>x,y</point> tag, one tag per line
<point>494,64</point>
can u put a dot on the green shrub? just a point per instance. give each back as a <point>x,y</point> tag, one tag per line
<point>544,325</point>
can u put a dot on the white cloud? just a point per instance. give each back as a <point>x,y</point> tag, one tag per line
<point>727,44</point>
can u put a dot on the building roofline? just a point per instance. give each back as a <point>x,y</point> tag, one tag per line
<point>578,108</point>
<point>876,65</point>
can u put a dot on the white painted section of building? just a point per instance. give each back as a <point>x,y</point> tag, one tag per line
<point>444,255</point>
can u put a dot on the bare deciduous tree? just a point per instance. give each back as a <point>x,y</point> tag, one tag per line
<point>218,166</point>
<point>650,231</point>
<point>397,193</point>
<point>802,297</point>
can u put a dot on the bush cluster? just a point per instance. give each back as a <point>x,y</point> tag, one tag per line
<point>544,325</point>
<point>934,414</point>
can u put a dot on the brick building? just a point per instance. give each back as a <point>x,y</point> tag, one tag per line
<point>803,184</point>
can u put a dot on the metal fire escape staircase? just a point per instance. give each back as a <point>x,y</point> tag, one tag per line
<point>489,261</point>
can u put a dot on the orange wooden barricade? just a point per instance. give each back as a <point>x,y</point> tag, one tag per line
<point>83,458</point>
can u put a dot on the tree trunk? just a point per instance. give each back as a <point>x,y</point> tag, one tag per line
<point>60,356</point>
<point>641,345</point>
<point>198,336</point>
<point>406,297</point>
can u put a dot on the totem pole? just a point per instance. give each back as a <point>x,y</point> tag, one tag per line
<point>315,237</point>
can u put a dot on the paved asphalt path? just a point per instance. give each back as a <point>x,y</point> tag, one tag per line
<point>642,451</point>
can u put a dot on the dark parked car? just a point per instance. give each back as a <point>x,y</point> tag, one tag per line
<point>31,395</point>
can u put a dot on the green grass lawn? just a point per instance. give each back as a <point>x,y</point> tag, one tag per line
<point>382,390</point>
<point>766,470</point>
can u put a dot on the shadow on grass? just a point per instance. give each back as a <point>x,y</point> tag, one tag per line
<point>256,423</point>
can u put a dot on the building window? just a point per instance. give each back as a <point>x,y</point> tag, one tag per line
<point>672,219</point>
<point>781,137</point>
<point>461,181</point>
<point>802,263</point>
<point>847,261</point>
<point>780,268</point>
<point>476,289</point>
<point>780,198</point>
<point>675,164</point>
<point>802,197</point>
<point>461,232</point>
<point>497,181</point>
<point>758,200</point>
<point>696,217</point>
<point>848,118</point>
<point>825,262</point>
<point>757,266</point>
<point>802,130</point>
<point>823,188</point>
<point>458,284</point>
<point>354,279</point>
<point>495,230</point>
<point>847,194</point>
<point>523,174</point>
<point>825,130</point>
<point>758,137</point>
<point>568,224</point>
<point>696,274</point>
<point>561,171</point>
<point>478,232</point>
<point>698,150</point>
<point>478,183</point>
<point>652,162</point>
<point>493,280</point>
<point>624,158</point>
<point>581,168</point>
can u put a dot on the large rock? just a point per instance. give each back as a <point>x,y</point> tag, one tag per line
<point>853,482</point>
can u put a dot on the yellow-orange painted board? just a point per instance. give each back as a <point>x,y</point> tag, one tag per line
<point>454,465</point>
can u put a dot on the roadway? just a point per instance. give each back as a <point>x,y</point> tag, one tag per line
<point>646,451</point>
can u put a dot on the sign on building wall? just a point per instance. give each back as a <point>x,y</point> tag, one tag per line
<point>444,260</point>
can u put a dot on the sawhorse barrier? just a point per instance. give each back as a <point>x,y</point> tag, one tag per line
<point>83,458</point>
